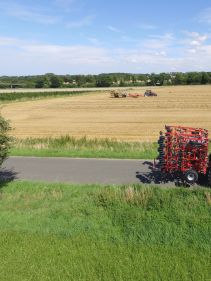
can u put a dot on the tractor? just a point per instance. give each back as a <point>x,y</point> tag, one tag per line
<point>183,154</point>
<point>150,93</point>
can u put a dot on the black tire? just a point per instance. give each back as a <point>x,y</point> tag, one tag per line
<point>191,176</point>
<point>209,177</point>
<point>161,140</point>
<point>161,156</point>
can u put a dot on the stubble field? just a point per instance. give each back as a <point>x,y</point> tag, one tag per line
<point>96,115</point>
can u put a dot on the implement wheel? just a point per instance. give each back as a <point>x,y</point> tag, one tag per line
<point>209,177</point>
<point>191,176</point>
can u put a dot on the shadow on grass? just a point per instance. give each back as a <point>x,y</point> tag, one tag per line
<point>6,176</point>
<point>156,177</point>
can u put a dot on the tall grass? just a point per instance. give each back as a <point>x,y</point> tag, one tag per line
<point>69,232</point>
<point>68,146</point>
<point>33,95</point>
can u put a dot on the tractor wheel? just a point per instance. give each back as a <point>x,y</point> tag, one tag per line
<point>161,141</point>
<point>191,176</point>
<point>209,177</point>
<point>161,155</point>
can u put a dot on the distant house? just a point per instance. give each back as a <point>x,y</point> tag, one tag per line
<point>70,83</point>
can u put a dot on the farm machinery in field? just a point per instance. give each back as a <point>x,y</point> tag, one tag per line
<point>118,94</point>
<point>183,154</point>
<point>150,93</point>
<point>123,94</point>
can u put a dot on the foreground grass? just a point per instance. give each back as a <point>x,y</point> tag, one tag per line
<point>67,146</point>
<point>63,232</point>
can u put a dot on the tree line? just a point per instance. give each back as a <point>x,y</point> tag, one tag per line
<point>51,80</point>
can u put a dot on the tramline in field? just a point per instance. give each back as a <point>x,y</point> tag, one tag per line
<point>183,153</point>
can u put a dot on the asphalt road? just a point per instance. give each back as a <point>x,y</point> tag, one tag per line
<point>20,90</point>
<point>80,171</point>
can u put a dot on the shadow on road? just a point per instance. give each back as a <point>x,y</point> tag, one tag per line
<point>152,176</point>
<point>6,176</point>
<point>156,177</point>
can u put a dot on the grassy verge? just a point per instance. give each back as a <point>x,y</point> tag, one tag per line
<point>67,146</point>
<point>5,97</point>
<point>67,232</point>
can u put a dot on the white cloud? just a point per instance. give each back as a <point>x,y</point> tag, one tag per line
<point>114,29</point>
<point>147,26</point>
<point>81,22</point>
<point>194,41</point>
<point>94,40</point>
<point>67,6</point>
<point>192,51</point>
<point>27,14</point>
<point>8,41</point>
<point>141,61</point>
<point>205,16</point>
<point>64,3</point>
<point>32,14</point>
<point>159,42</point>
<point>166,36</point>
<point>28,57</point>
<point>196,37</point>
<point>68,54</point>
<point>32,57</point>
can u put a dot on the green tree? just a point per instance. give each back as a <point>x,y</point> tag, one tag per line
<point>55,82</point>
<point>5,139</point>
<point>180,78</point>
<point>122,83</point>
<point>205,78</point>
<point>80,80</point>
<point>39,83</point>
<point>191,78</point>
<point>104,81</point>
<point>134,79</point>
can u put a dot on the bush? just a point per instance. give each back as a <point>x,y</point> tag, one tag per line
<point>5,139</point>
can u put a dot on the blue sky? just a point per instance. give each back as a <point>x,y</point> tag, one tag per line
<point>95,36</point>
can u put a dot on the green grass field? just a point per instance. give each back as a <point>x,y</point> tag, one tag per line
<point>70,232</point>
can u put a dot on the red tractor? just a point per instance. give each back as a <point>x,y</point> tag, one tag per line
<point>183,154</point>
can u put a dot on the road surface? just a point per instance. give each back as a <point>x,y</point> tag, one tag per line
<point>80,171</point>
<point>21,90</point>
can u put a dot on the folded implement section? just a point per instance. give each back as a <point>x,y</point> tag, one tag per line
<point>183,151</point>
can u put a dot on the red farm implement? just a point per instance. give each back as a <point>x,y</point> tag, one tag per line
<point>183,153</point>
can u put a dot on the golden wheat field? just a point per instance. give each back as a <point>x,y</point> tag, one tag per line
<point>98,115</point>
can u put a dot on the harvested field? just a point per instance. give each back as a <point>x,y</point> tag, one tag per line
<point>96,115</point>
